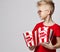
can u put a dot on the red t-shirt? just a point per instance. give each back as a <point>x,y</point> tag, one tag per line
<point>45,30</point>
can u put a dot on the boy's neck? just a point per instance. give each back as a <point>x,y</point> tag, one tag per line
<point>48,21</point>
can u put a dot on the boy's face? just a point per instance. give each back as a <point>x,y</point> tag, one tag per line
<point>43,11</point>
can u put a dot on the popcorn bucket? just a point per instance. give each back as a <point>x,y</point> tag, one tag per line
<point>34,39</point>
<point>28,38</point>
<point>45,38</point>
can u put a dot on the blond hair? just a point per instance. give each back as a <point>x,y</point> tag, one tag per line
<point>47,2</point>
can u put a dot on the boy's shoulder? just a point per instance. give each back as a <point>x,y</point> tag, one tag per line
<point>57,25</point>
<point>39,24</point>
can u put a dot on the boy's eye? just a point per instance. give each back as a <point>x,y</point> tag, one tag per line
<point>39,11</point>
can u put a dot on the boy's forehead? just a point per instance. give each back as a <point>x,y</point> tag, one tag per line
<point>44,7</point>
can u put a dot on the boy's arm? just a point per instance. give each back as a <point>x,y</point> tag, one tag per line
<point>57,45</point>
<point>50,46</point>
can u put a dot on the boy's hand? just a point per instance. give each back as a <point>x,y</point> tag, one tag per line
<point>32,47</point>
<point>48,45</point>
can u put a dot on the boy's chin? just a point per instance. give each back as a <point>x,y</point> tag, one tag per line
<point>42,18</point>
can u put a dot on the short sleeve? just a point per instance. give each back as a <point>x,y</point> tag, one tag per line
<point>57,31</point>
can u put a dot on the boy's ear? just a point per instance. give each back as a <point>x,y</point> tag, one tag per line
<point>48,12</point>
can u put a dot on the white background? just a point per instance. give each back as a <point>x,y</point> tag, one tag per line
<point>16,17</point>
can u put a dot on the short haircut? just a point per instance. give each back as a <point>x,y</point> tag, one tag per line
<point>47,2</point>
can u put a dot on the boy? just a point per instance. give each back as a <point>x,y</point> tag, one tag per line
<point>45,11</point>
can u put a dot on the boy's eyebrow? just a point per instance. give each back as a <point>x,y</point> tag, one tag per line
<point>42,10</point>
